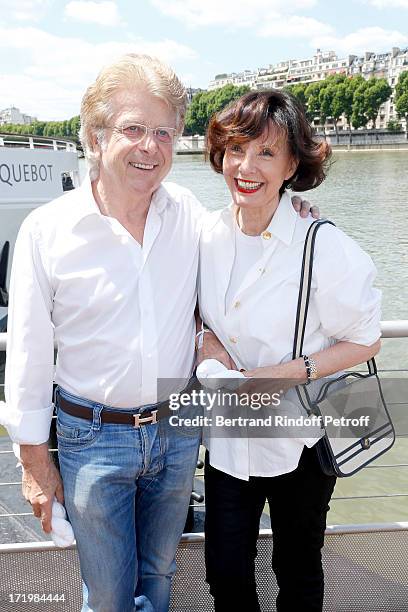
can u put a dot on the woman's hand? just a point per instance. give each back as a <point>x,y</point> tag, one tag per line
<point>304,207</point>
<point>212,348</point>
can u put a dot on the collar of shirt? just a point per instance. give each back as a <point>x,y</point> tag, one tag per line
<point>282,225</point>
<point>283,222</point>
<point>86,205</point>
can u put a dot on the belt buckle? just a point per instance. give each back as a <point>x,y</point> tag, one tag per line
<point>141,420</point>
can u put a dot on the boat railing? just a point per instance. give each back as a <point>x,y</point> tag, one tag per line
<point>389,329</point>
<point>37,142</point>
<point>366,565</point>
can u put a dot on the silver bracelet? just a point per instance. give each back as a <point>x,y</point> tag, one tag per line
<point>311,368</point>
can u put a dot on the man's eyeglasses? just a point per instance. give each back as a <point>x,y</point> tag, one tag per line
<point>137,131</point>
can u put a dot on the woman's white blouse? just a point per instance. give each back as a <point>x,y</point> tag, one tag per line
<point>257,325</point>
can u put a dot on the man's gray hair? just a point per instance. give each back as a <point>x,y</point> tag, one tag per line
<point>129,71</point>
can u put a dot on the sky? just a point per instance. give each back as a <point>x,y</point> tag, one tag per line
<point>51,50</point>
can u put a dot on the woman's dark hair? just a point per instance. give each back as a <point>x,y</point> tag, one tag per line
<point>247,117</point>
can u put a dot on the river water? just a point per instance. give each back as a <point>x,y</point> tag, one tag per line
<point>366,195</point>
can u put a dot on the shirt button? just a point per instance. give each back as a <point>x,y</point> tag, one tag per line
<point>237,304</point>
<point>233,339</point>
<point>266,235</point>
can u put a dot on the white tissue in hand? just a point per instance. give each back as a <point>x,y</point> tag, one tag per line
<point>61,530</point>
<point>210,371</point>
<point>58,510</point>
<point>62,534</point>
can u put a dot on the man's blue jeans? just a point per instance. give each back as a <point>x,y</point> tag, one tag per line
<point>127,492</point>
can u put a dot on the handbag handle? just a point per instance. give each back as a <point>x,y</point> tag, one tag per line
<point>304,292</point>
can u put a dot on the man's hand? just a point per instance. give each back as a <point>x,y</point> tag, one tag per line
<point>213,349</point>
<point>304,207</point>
<point>41,482</point>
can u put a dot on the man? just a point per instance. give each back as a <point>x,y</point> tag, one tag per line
<point>109,271</point>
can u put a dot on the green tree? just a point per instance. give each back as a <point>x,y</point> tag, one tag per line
<point>37,128</point>
<point>49,129</point>
<point>348,89</point>
<point>377,92</point>
<point>196,115</point>
<point>394,126</point>
<point>57,128</point>
<point>314,102</point>
<point>401,98</point>
<point>11,128</point>
<point>74,125</point>
<point>332,98</point>
<point>227,94</point>
<point>205,103</point>
<point>298,91</point>
<point>359,116</point>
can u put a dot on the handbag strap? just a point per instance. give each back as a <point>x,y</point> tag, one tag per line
<point>304,292</point>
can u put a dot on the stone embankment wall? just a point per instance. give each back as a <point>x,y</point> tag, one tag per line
<point>368,139</point>
<point>190,144</point>
<point>360,140</point>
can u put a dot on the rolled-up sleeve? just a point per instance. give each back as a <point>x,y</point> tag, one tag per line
<point>30,343</point>
<point>348,304</point>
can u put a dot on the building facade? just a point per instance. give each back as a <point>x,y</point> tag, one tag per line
<point>247,77</point>
<point>316,68</point>
<point>382,65</point>
<point>13,115</point>
<point>321,65</point>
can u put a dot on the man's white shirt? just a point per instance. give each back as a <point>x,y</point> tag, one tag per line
<point>122,314</point>
<point>255,318</point>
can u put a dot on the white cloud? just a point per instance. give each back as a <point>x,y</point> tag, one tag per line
<point>364,39</point>
<point>103,13</point>
<point>381,4</point>
<point>294,26</point>
<point>47,100</point>
<point>23,10</point>
<point>58,69</point>
<point>230,13</point>
<point>266,17</point>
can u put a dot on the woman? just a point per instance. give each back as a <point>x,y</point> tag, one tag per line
<point>251,256</point>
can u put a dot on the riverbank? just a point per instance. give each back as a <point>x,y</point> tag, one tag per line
<point>358,140</point>
<point>337,148</point>
<point>367,140</point>
<point>374,147</point>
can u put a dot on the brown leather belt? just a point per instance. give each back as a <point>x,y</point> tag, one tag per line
<point>149,417</point>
